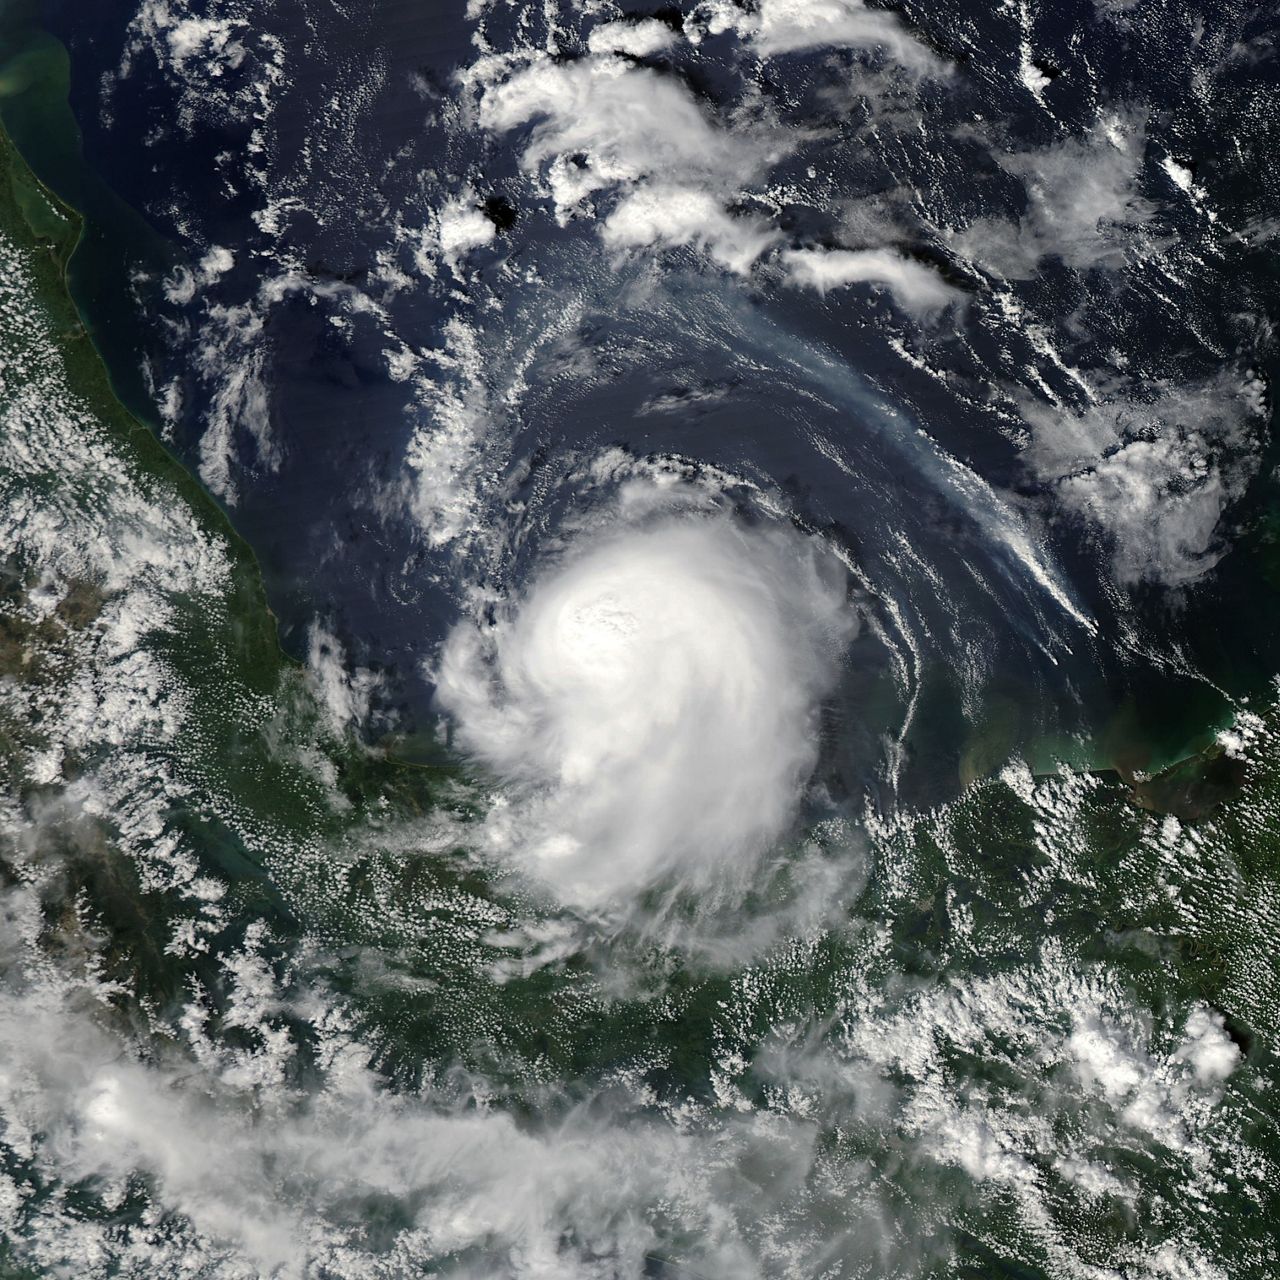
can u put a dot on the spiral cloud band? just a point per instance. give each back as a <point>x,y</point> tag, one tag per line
<point>651,705</point>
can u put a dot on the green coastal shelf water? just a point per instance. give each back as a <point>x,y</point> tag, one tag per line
<point>115,241</point>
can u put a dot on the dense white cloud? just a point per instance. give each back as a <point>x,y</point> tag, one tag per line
<point>602,124</point>
<point>650,704</point>
<point>637,39</point>
<point>776,27</point>
<point>917,288</point>
<point>681,216</point>
<point>461,225</point>
<point>1208,1049</point>
<point>663,679</point>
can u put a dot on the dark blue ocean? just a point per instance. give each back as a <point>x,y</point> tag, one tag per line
<point>394,434</point>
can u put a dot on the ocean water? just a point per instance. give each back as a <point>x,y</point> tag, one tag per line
<point>883,430</point>
<point>749,498</point>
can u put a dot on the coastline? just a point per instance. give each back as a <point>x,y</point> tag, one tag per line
<point>59,229</point>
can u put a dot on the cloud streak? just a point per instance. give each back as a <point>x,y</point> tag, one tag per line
<point>778,27</point>
<point>918,289</point>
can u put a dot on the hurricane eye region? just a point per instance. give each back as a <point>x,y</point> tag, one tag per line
<point>651,701</point>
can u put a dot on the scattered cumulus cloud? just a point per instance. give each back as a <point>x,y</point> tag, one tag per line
<point>1085,204</point>
<point>344,692</point>
<point>185,283</point>
<point>225,70</point>
<point>1155,470</point>
<point>602,128</point>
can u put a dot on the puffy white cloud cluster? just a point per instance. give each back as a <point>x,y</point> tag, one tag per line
<point>636,39</point>
<point>1158,1096</point>
<point>777,27</point>
<point>917,288</point>
<point>1084,204</point>
<point>650,704</point>
<point>189,37</point>
<point>604,124</point>
<point>462,225</point>
<point>183,285</point>
<point>603,127</point>
<point>685,216</point>
<point>1153,469</point>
